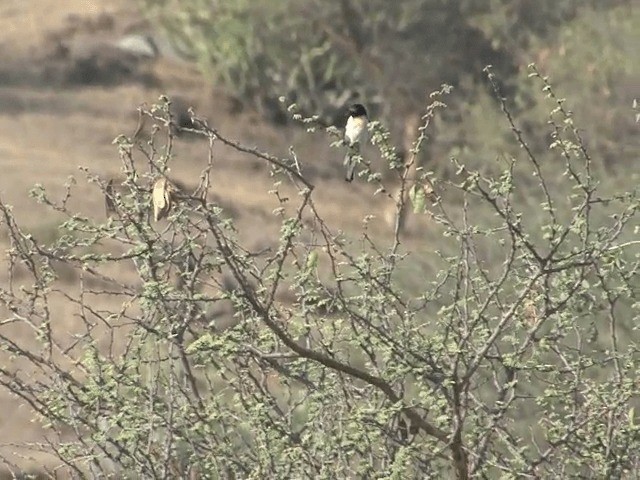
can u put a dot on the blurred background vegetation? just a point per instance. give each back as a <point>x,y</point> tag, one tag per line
<point>323,55</point>
<point>390,55</point>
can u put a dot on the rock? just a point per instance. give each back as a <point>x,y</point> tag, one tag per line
<point>142,46</point>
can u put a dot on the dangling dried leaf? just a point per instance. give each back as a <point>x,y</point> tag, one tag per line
<point>142,120</point>
<point>162,198</point>
<point>417,197</point>
<point>429,192</point>
<point>109,199</point>
<point>530,311</point>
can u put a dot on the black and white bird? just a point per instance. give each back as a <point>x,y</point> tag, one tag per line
<point>355,133</point>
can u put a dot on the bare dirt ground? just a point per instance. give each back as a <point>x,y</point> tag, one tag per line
<point>51,123</point>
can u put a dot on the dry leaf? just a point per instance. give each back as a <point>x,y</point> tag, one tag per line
<point>162,198</point>
<point>142,120</point>
<point>429,192</point>
<point>530,312</point>
<point>109,203</point>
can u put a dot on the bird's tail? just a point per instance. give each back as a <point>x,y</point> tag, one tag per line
<point>351,159</point>
<point>350,163</point>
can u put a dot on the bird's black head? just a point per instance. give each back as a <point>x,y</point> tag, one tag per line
<point>357,110</point>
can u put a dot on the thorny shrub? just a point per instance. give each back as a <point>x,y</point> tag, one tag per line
<point>308,360</point>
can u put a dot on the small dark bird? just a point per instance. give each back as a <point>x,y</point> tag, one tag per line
<point>355,133</point>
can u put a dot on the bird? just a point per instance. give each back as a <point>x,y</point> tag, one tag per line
<point>354,135</point>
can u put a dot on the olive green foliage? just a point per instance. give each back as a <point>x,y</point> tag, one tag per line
<point>321,54</point>
<point>506,348</point>
<point>516,357</point>
<point>592,59</point>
